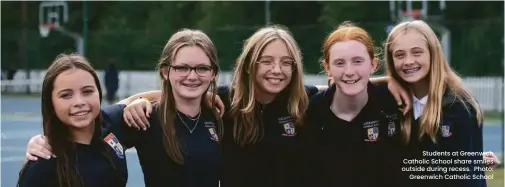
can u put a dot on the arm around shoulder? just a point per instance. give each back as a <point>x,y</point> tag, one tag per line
<point>380,80</point>
<point>312,90</point>
<point>150,95</point>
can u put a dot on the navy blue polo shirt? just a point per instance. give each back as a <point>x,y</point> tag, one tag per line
<point>357,152</point>
<point>90,161</point>
<point>274,160</point>
<point>201,151</point>
<point>459,140</point>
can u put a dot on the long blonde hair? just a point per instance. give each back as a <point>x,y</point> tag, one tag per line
<point>246,123</point>
<point>166,103</point>
<point>441,78</point>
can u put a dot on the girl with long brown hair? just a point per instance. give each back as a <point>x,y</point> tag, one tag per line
<point>265,109</point>
<point>88,151</point>
<point>182,146</point>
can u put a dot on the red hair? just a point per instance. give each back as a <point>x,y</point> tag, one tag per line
<point>345,32</point>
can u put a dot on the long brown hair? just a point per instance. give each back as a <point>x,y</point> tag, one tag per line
<point>57,133</point>
<point>166,103</point>
<point>441,78</point>
<point>246,128</point>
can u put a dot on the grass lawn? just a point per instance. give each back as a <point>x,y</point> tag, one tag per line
<point>493,117</point>
<point>497,180</point>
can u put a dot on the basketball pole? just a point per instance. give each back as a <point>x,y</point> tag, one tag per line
<point>79,42</point>
<point>85,28</point>
<point>267,12</point>
<point>445,33</point>
<point>23,44</point>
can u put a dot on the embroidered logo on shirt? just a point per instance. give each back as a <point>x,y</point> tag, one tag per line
<point>212,130</point>
<point>373,134</point>
<point>370,124</point>
<point>289,129</point>
<point>209,124</point>
<point>213,134</point>
<point>392,117</point>
<point>284,119</point>
<point>391,128</point>
<point>446,131</point>
<point>114,143</point>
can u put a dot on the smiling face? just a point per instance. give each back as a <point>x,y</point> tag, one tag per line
<point>350,66</point>
<point>274,68</point>
<point>190,74</point>
<point>75,98</point>
<point>411,57</point>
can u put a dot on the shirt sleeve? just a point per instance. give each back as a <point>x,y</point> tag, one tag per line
<point>114,123</point>
<point>311,90</point>
<point>223,93</point>
<point>466,143</point>
<point>40,173</point>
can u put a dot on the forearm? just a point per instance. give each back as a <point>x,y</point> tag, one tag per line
<point>150,95</point>
<point>321,87</point>
<point>380,80</point>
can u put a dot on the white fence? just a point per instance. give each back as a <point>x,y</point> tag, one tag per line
<point>488,90</point>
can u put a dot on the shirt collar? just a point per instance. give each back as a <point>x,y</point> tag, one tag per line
<point>421,101</point>
<point>419,106</point>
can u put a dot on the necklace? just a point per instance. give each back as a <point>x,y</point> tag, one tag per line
<point>192,119</point>
<point>196,124</point>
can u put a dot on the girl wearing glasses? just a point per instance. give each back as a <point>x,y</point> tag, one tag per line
<point>181,147</point>
<point>265,106</point>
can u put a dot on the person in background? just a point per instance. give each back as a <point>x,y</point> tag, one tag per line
<point>181,147</point>
<point>111,81</point>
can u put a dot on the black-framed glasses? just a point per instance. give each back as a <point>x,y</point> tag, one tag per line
<point>201,70</point>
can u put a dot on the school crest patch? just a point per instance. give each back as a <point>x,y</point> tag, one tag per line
<point>213,134</point>
<point>391,128</point>
<point>446,130</point>
<point>373,134</point>
<point>115,145</point>
<point>289,129</point>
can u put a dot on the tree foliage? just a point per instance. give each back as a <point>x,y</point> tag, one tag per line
<point>134,33</point>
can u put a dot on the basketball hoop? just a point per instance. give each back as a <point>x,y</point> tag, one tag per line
<point>414,15</point>
<point>45,28</point>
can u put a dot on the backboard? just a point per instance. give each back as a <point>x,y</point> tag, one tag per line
<point>52,14</point>
<point>418,10</point>
<point>413,10</point>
